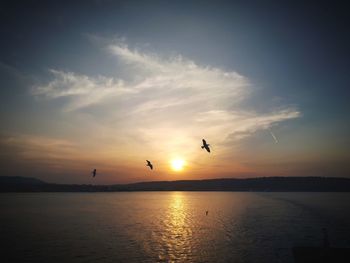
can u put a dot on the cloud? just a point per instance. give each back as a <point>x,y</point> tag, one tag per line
<point>159,99</point>
<point>240,124</point>
<point>82,90</point>
<point>29,147</point>
<point>55,160</point>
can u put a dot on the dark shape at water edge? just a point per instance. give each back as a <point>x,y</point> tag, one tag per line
<point>262,184</point>
<point>17,180</point>
<point>20,184</point>
<point>321,254</point>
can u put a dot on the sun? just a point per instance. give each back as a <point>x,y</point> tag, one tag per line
<point>177,164</point>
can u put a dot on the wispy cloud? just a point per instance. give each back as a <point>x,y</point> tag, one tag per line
<point>240,124</point>
<point>166,103</point>
<point>29,147</point>
<point>82,90</point>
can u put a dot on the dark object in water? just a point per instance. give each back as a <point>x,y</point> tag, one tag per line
<point>321,254</point>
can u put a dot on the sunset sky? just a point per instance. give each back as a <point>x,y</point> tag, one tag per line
<point>109,84</point>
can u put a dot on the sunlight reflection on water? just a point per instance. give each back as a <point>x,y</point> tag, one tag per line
<point>168,226</point>
<point>177,234</point>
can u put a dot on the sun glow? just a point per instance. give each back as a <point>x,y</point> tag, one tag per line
<point>177,164</point>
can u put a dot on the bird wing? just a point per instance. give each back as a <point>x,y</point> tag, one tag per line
<point>207,148</point>
<point>204,142</point>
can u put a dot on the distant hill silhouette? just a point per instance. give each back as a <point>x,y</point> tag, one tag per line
<point>270,184</point>
<point>18,183</point>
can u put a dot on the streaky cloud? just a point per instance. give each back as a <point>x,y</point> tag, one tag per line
<point>164,97</point>
<point>82,90</point>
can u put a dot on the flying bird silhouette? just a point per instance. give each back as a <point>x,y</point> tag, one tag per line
<point>149,164</point>
<point>205,146</point>
<point>93,173</point>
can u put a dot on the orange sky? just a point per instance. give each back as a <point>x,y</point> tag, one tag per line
<point>110,87</point>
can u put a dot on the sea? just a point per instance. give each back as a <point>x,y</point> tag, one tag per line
<point>169,226</point>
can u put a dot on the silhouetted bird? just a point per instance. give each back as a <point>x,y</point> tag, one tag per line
<point>93,173</point>
<point>206,212</point>
<point>149,164</point>
<point>205,146</point>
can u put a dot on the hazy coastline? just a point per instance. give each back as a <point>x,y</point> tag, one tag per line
<point>262,184</point>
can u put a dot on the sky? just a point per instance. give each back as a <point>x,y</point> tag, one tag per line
<point>110,84</point>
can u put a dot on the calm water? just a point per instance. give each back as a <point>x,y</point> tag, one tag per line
<point>168,226</point>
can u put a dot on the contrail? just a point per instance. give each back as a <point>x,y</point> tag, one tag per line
<point>273,136</point>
